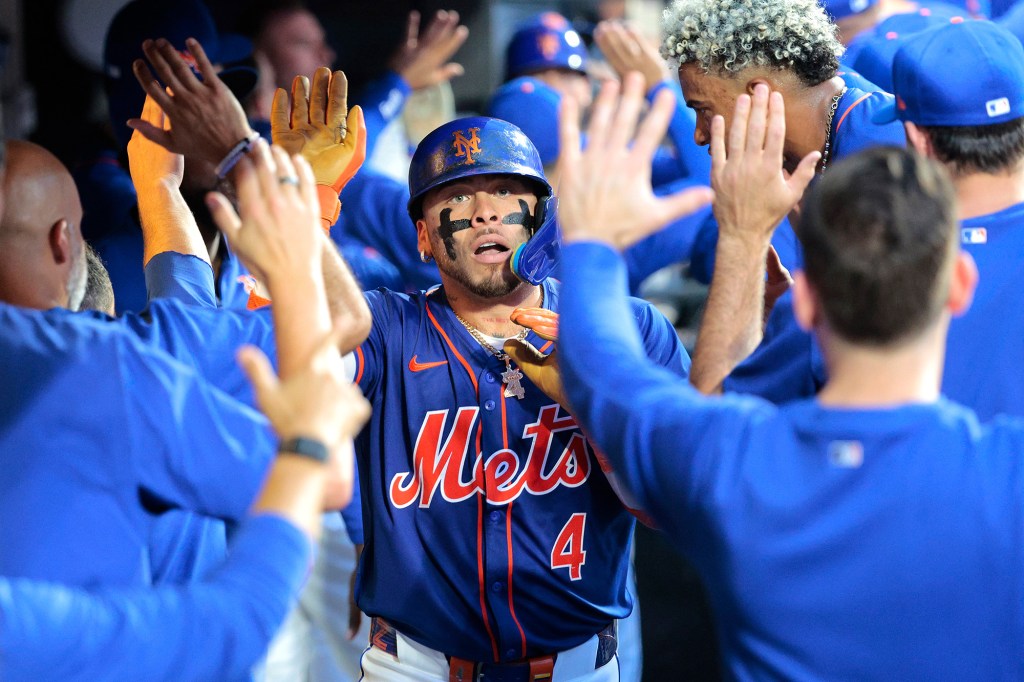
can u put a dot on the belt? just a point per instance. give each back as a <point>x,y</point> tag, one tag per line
<point>537,669</point>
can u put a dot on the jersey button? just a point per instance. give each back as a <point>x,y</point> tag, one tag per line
<point>496,587</point>
<point>496,516</point>
<point>490,378</point>
<point>489,405</point>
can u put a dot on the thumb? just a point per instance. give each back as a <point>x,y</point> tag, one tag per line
<point>687,201</point>
<point>223,214</point>
<point>261,375</point>
<point>803,174</point>
<point>523,352</point>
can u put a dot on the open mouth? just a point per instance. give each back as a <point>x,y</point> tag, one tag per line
<point>490,248</point>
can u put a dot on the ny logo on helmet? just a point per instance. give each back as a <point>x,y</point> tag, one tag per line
<point>467,146</point>
<point>547,43</point>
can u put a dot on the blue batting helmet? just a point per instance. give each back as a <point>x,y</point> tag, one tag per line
<point>547,41</point>
<point>478,145</point>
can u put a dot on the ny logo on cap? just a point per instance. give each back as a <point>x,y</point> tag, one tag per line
<point>997,107</point>
<point>467,146</point>
<point>547,43</point>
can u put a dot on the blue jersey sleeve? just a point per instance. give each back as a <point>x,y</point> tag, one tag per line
<point>212,630</point>
<point>787,365</point>
<point>191,445</point>
<point>369,354</point>
<point>672,244</point>
<point>180,277</point>
<point>206,339</point>
<point>373,211</point>
<point>382,100</point>
<point>663,439</point>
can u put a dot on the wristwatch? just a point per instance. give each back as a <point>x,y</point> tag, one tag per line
<point>305,447</point>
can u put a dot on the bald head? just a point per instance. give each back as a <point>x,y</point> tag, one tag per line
<point>42,256</point>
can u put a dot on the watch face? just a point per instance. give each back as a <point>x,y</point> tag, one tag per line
<point>84,24</point>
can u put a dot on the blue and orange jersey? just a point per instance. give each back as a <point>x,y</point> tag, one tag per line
<point>490,532</point>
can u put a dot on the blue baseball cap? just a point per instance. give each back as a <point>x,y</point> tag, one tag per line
<point>967,73</point>
<point>532,106</point>
<point>840,9</point>
<point>174,20</point>
<point>878,49</point>
<point>547,41</point>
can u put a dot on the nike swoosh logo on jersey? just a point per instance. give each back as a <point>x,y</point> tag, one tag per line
<point>415,366</point>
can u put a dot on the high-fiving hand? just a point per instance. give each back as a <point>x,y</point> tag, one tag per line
<point>604,191</point>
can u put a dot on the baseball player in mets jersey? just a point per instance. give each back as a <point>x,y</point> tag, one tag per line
<point>494,546</point>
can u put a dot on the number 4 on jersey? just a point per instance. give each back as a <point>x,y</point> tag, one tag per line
<point>568,551</point>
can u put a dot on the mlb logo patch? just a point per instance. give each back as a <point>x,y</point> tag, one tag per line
<point>997,107</point>
<point>973,235</point>
<point>846,454</point>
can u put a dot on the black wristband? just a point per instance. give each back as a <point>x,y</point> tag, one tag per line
<point>305,447</point>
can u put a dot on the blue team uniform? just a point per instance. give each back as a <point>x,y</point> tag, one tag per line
<point>215,630</point>
<point>778,368</point>
<point>983,346</point>
<point>78,499</point>
<point>490,532</point>
<point>834,543</point>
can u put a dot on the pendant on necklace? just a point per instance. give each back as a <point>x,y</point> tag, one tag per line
<point>510,377</point>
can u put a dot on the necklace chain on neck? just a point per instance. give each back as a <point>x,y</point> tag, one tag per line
<point>828,128</point>
<point>479,336</point>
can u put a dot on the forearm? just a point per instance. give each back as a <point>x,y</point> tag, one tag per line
<point>345,298</point>
<point>732,324</point>
<point>301,317</point>
<point>167,223</point>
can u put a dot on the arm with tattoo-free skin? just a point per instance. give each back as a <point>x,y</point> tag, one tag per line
<point>752,196</point>
<point>167,222</point>
<point>317,123</point>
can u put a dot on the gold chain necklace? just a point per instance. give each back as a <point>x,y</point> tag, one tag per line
<point>828,128</point>
<point>511,376</point>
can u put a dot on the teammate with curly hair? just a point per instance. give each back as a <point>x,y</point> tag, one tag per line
<point>726,48</point>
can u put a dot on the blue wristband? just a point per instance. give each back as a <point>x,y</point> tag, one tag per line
<point>234,156</point>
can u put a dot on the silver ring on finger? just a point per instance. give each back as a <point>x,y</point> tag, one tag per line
<point>288,180</point>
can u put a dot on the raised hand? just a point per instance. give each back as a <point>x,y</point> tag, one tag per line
<point>541,369</point>
<point>604,191</point>
<point>149,162</point>
<point>206,119</point>
<point>276,230</point>
<point>626,50</point>
<point>318,124</point>
<point>752,191</point>
<point>422,59</point>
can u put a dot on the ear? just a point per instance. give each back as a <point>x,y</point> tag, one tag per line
<point>962,284</point>
<point>59,239</point>
<point>918,140</point>
<point>754,82</point>
<point>805,302</point>
<point>422,239</point>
